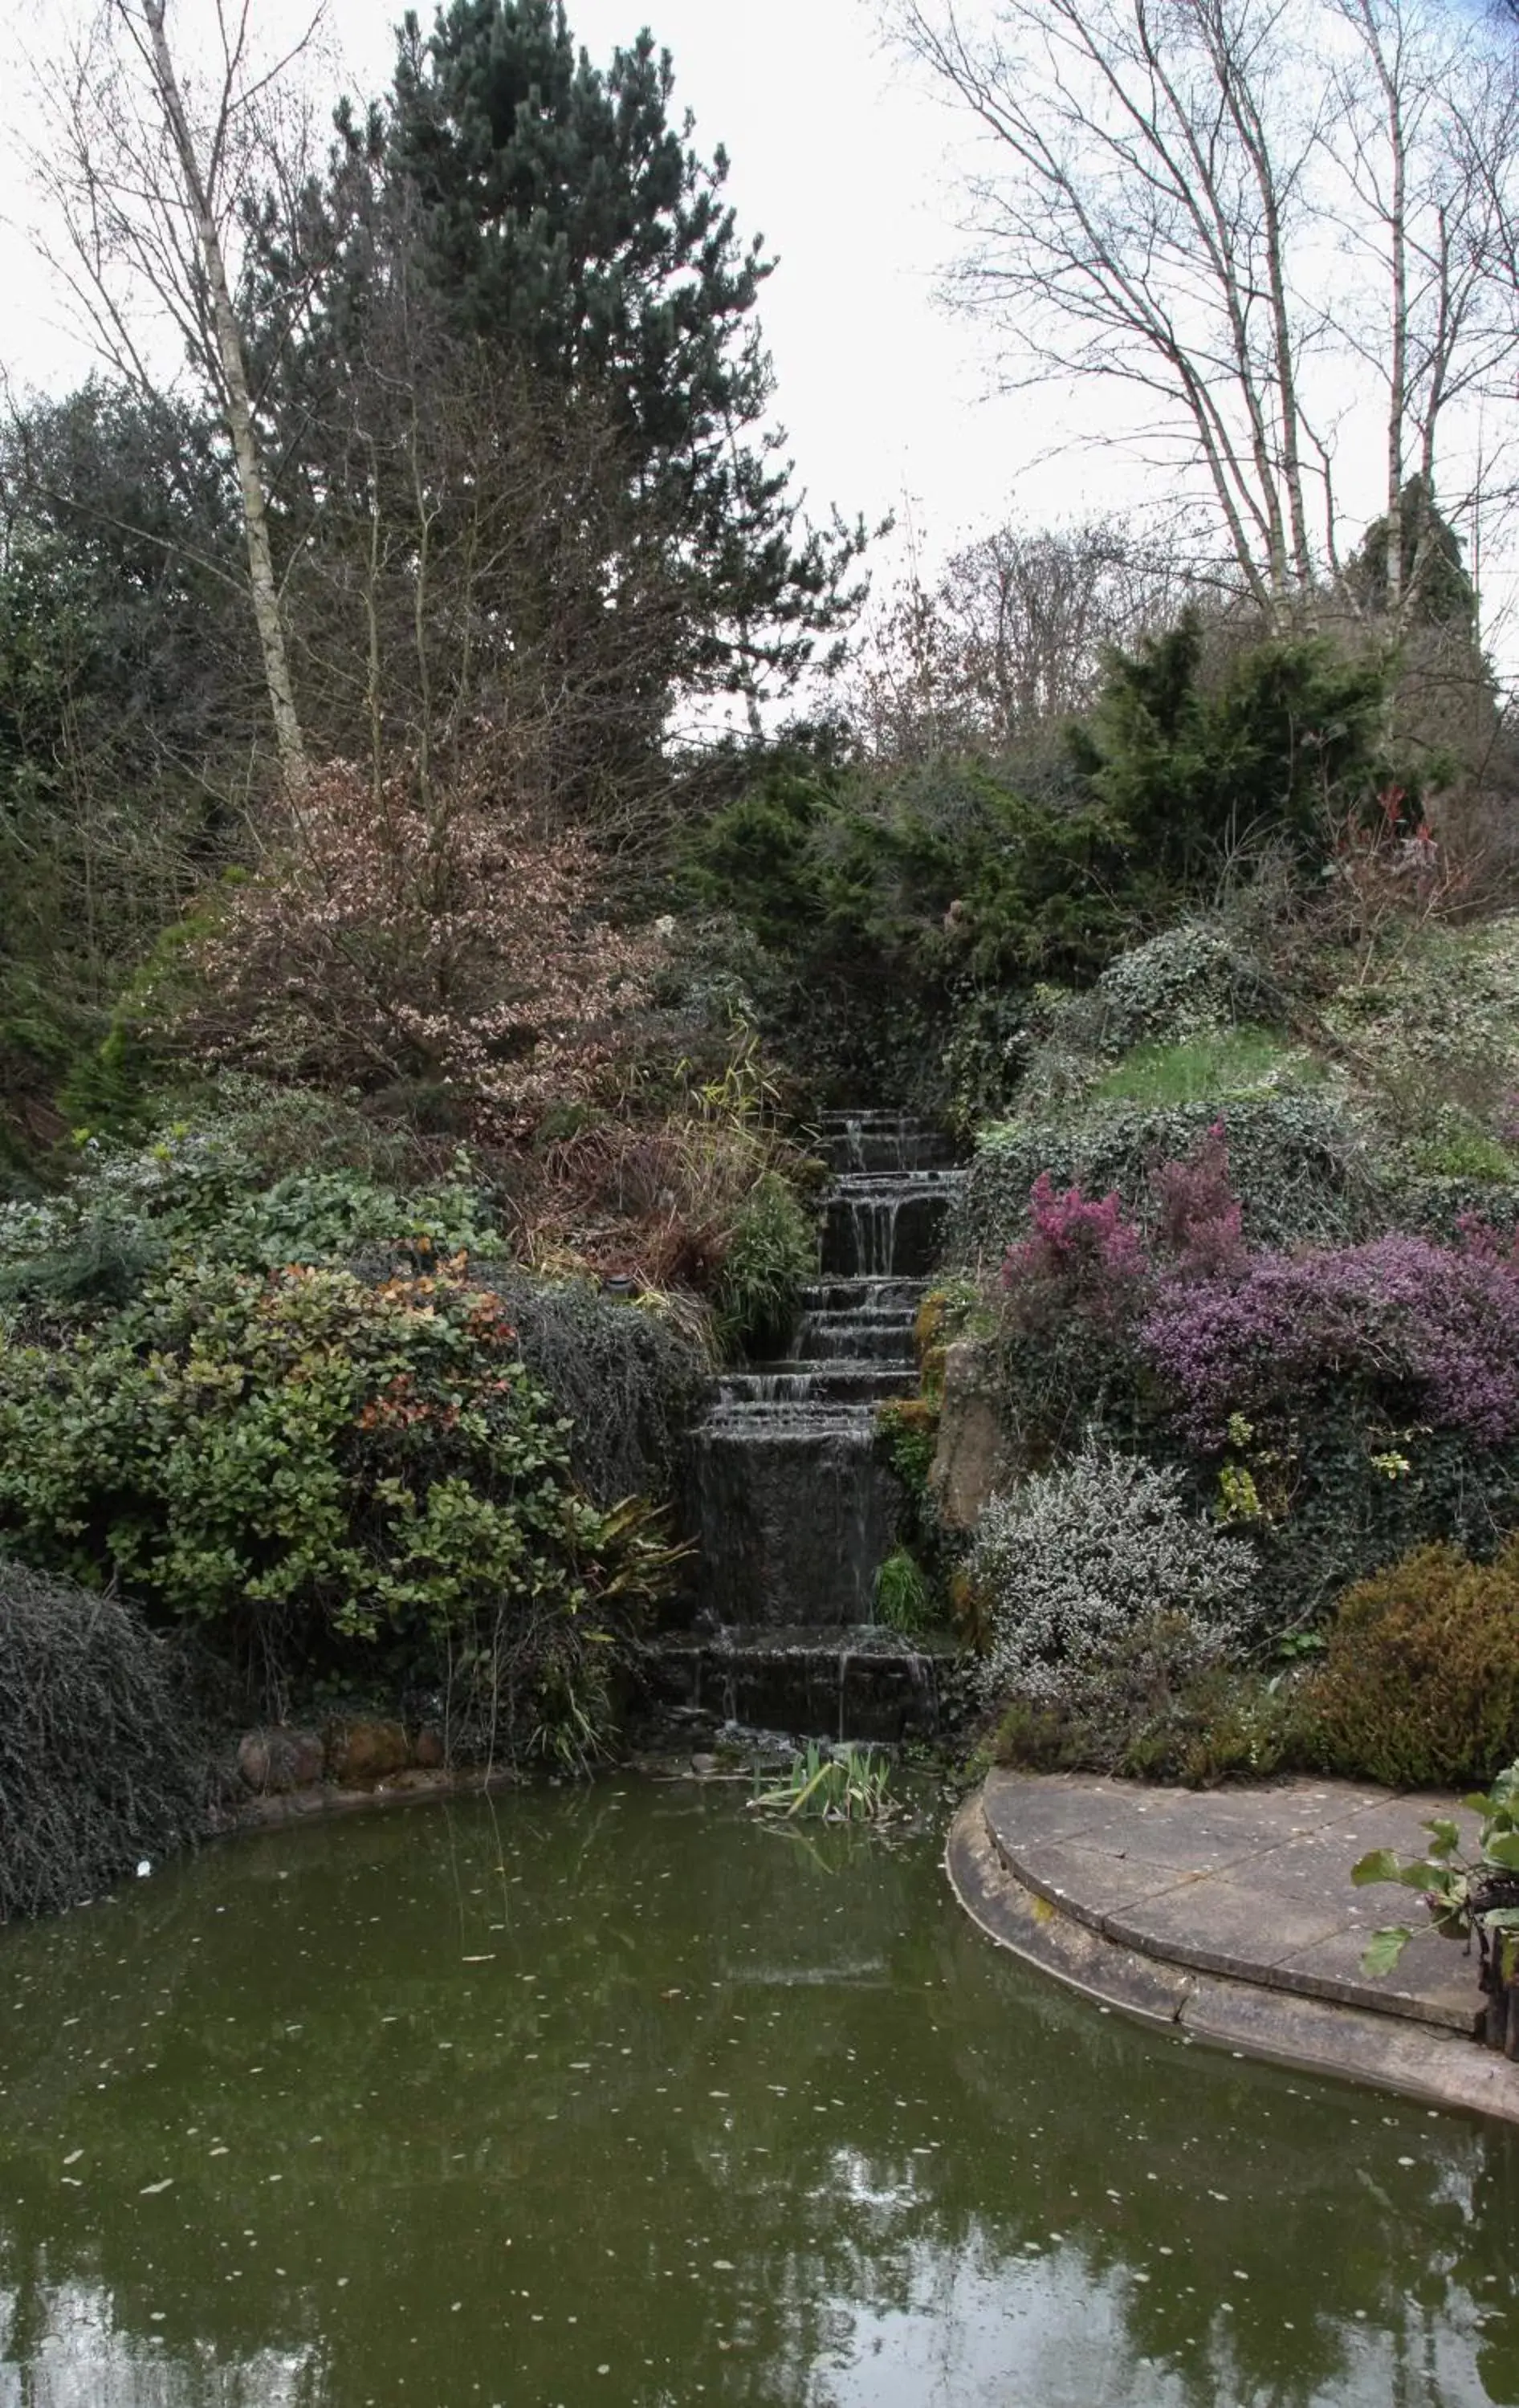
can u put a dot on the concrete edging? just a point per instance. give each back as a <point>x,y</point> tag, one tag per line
<point>1315,2035</point>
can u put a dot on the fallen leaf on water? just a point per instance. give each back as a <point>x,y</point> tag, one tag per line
<point>150,2190</point>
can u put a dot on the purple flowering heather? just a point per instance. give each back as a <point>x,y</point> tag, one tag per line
<point>1435,1332</point>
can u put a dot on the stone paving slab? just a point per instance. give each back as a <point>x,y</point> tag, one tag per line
<point>1323,2033</point>
<point>1249,1883</point>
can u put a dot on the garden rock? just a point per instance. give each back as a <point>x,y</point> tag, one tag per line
<point>362,1751</point>
<point>975,1459</point>
<point>280,1758</point>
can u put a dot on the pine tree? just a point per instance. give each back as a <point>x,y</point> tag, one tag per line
<point>560,223</point>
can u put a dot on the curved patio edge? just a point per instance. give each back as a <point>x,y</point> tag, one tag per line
<point>1389,2048</point>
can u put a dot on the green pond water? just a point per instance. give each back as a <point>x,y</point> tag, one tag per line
<point>613,2097</point>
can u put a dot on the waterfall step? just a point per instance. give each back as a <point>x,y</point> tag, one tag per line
<point>854,1337</point>
<point>820,1382</point>
<point>867,1683</point>
<point>793,1499</point>
<point>865,1295</point>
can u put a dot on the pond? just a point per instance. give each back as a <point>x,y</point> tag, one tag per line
<point>611,2095</point>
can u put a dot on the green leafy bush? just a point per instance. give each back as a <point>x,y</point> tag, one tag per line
<point>1420,1684</point>
<point>1192,980</point>
<point>102,1760</point>
<point>306,1461</point>
<point>202,1191</point>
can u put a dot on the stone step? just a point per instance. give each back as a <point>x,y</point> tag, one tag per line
<point>1355,2037</point>
<point>1251,1884</point>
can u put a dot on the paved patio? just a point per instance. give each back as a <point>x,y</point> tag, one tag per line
<point>1231,1913</point>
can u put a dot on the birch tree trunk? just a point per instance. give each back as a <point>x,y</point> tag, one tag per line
<point>237,402</point>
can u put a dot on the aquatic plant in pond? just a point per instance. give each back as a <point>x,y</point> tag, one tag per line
<point>830,1785</point>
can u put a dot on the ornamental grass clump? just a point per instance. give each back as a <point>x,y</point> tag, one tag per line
<point>102,1763</point>
<point>1096,1575</point>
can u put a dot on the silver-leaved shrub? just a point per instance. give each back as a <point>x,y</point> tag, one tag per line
<point>1088,1569</point>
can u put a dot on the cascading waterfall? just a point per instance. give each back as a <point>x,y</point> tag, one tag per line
<point>792,1506</point>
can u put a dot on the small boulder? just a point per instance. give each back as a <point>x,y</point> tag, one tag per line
<point>361,1752</point>
<point>975,1458</point>
<point>280,1759</point>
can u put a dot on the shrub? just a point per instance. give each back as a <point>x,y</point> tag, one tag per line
<point>1199,1218</point>
<point>625,1376</point>
<point>200,1190</point>
<point>415,934</point>
<point>1224,1721</point>
<point>1082,1257</point>
<point>307,1461</point>
<point>1099,1582</point>
<point>1191,981</point>
<point>1203,768</point>
<point>1420,1685</point>
<point>101,1760</point>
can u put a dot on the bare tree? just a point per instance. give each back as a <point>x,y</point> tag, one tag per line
<point>146,167</point>
<point>1258,215</point>
<point>1420,151</point>
<point>1011,637</point>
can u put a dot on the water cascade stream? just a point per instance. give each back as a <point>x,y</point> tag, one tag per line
<point>792,1505</point>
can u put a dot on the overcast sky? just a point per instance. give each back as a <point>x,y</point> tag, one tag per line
<point>839,159</point>
<point>846,163</point>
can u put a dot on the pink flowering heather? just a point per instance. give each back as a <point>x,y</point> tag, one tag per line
<point>1199,1221</point>
<point>1082,1255</point>
<point>1430,1331</point>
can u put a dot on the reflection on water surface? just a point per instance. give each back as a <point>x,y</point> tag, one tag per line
<point>612,2097</point>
